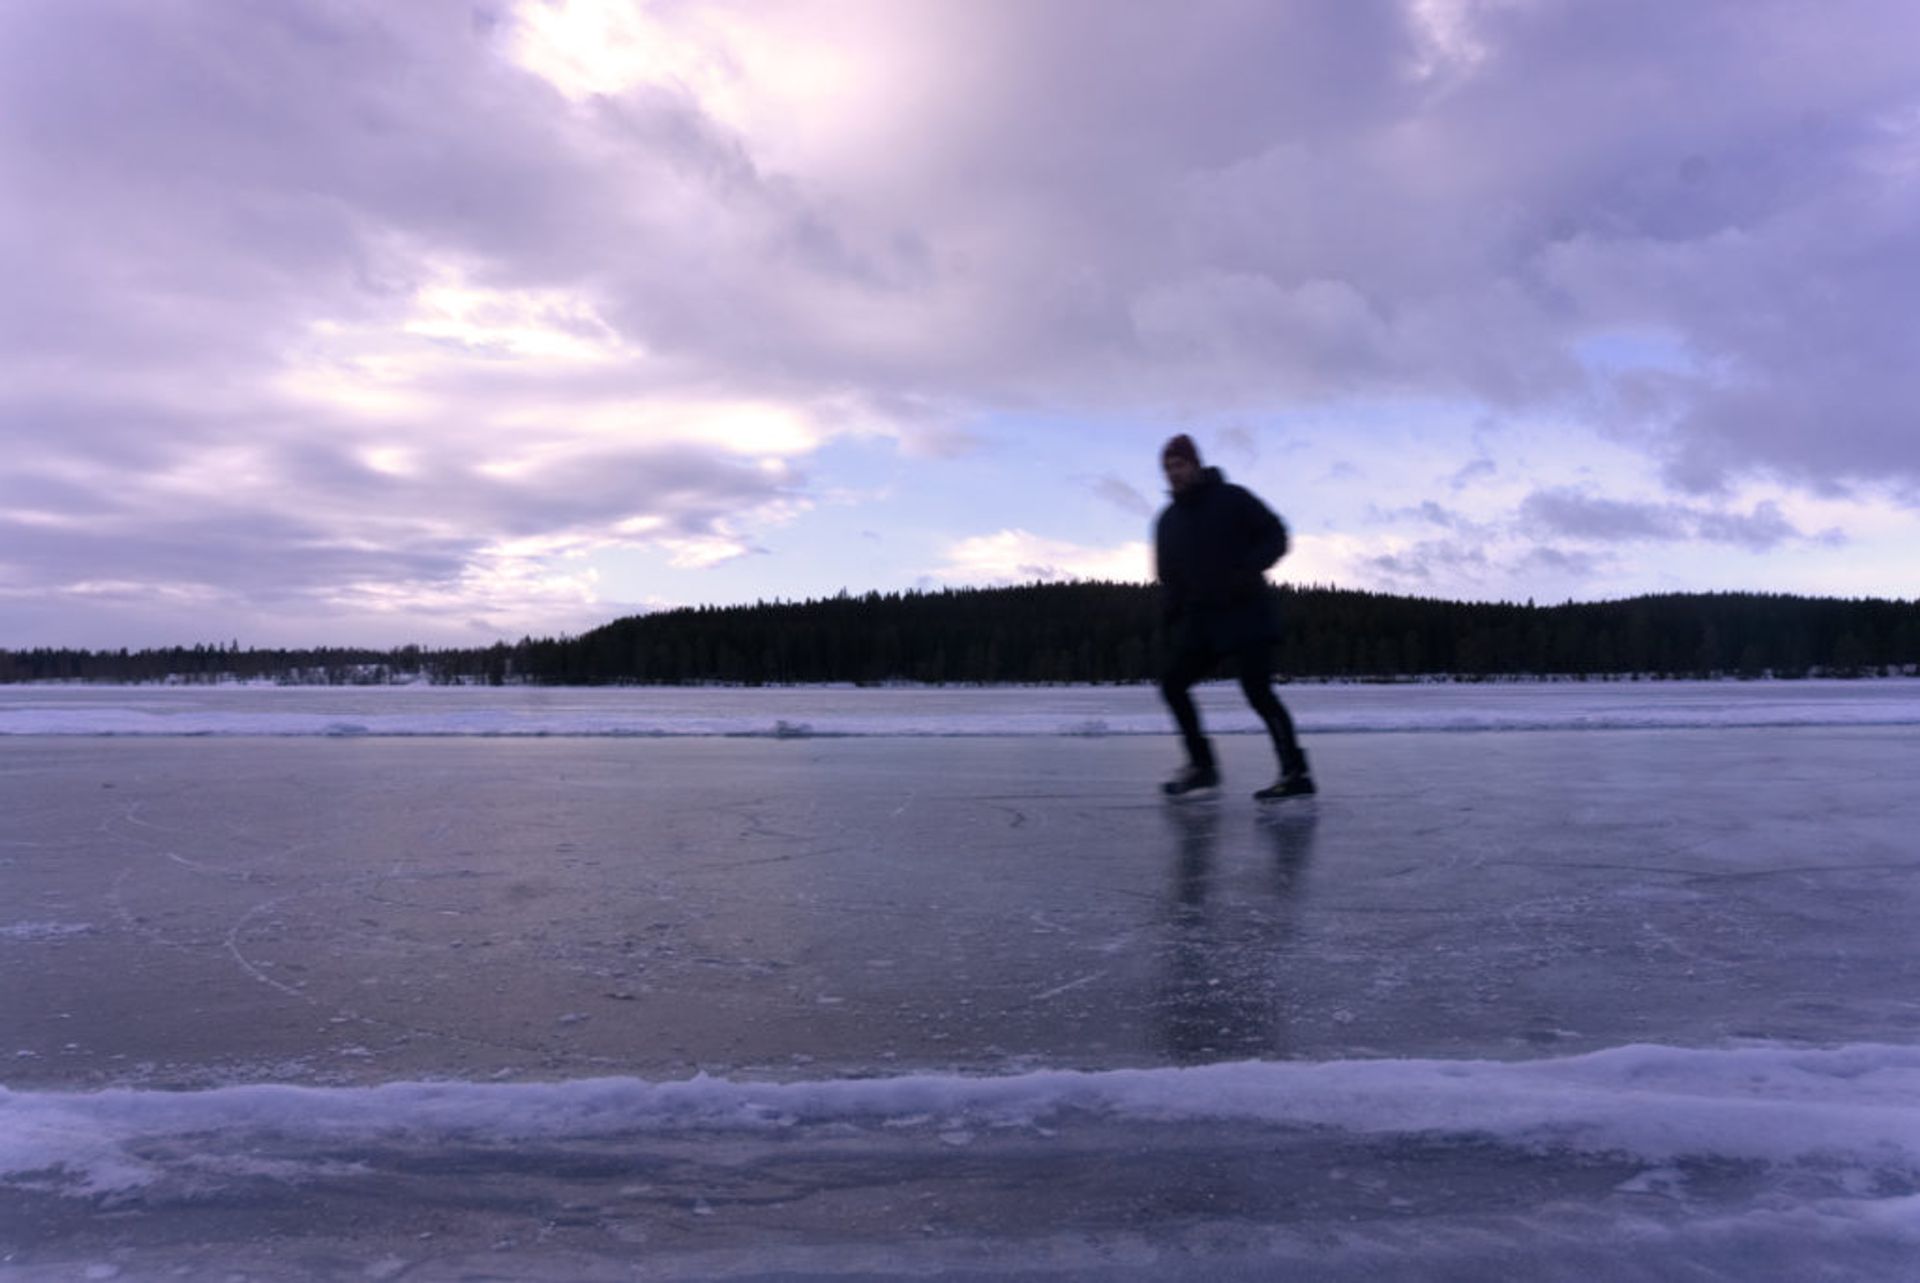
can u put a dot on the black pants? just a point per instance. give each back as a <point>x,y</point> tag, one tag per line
<point>1254,666</point>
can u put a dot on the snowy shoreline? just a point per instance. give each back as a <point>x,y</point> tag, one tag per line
<point>410,681</point>
<point>786,713</point>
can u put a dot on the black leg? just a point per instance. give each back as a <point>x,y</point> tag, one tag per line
<point>1256,683</point>
<point>1176,686</point>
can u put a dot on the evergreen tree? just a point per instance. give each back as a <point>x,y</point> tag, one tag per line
<point>1090,632</point>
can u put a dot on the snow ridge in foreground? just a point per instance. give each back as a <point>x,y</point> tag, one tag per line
<point>1855,1107</point>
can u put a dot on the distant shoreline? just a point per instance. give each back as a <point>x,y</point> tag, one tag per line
<point>1909,672</point>
<point>1090,633</point>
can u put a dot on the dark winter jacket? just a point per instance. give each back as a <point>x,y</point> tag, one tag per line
<point>1212,547</point>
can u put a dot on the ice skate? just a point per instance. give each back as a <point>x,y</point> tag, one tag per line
<point>1191,779</point>
<point>1290,784</point>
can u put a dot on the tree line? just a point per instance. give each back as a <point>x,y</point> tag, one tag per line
<point>1090,632</point>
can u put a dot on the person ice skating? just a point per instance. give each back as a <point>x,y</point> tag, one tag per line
<point>1212,546</point>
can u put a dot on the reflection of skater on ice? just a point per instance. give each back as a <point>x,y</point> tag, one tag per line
<point>1212,546</point>
<point>1222,993</point>
<point>1290,834</point>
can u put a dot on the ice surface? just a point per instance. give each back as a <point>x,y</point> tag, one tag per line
<point>1569,1003</point>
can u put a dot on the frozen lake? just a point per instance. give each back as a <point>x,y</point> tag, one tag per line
<point>443,983</point>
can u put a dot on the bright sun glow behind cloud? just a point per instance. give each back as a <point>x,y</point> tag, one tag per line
<point>1445,37</point>
<point>588,47</point>
<point>805,85</point>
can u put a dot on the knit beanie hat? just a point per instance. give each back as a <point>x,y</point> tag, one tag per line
<point>1183,447</point>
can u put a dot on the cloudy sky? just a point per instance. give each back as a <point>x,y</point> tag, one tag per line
<point>352,321</point>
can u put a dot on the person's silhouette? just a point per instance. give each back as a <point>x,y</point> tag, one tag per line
<point>1212,547</point>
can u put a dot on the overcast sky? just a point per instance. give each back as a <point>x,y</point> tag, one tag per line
<point>363,322</point>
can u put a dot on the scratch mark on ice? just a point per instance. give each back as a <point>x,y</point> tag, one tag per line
<point>1057,990</point>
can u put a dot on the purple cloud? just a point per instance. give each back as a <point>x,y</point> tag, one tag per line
<point>1576,514</point>
<point>307,297</point>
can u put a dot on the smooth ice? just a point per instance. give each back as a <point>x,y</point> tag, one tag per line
<point>1571,1001</point>
<point>351,912</point>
